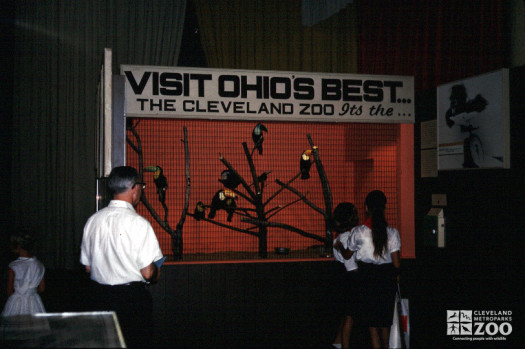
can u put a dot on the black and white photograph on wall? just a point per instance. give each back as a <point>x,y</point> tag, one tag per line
<point>473,122</point>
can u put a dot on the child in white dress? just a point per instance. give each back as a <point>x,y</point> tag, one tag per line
<point>25,279</point>
<point>345,218</point>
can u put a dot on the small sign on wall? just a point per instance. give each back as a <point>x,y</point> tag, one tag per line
<point>434,228</point>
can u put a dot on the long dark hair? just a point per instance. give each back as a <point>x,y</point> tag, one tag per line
<point>376,202</point>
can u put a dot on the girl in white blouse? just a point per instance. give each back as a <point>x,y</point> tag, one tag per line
<point>376,248</point>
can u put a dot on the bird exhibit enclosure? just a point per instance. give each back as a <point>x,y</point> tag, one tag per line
<point>249,165</point>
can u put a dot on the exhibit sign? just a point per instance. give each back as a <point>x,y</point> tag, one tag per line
<point>179,92</point>
<point>473,122</point>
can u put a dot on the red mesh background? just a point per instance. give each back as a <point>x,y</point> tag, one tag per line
<point>357,158</point>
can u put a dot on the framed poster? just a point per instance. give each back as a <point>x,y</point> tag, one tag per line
<point>473,122</point>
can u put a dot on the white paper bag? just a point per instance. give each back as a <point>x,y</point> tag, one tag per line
<point>395,330</point>
<point>405,322</point>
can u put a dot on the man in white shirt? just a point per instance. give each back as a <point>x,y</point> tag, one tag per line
<point>119,248</point>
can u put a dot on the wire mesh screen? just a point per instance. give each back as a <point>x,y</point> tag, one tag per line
<point>284,216</point>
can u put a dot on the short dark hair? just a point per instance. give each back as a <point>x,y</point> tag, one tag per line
<point>121,179</point>
<point>345,217</point>
<point>24,240</point>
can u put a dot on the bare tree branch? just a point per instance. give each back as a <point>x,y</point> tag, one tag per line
<point>177,240</point>
<point>280,208</point>
<point>299,194</point>
<point>164,224</point>
<point>176,236</point>
<point>227,226</point>
<point>138,149</point>
<point>281,189</point>
<point>245,211</point>
<point>243,182</point>
<point>327,194</point>
<point>252,169</point>
<point>324,180</point>
<point>284,226</point>
<point>188,180</point>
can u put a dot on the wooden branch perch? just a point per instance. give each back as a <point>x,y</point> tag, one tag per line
<point>280,208</point>
<point>227,226</point>
<point>245,211</point>
<point>252,169</point>
<point>327,194</point>
<point>243,182</point>
<point>138,149</point>
<point>177,241</point>
<point>188,181</point>
<point>164,224</point>
<point>281,189</point>
<point>285,226</point>
<point>300,195</point>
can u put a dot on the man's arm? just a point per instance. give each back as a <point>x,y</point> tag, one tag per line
<point>151,273</point>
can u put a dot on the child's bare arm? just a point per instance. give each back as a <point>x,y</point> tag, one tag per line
<point>42,285</point>
<point>10,282</point>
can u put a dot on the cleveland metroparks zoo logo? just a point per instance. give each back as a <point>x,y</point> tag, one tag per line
<point>479,324</point>
<point>459,322</point>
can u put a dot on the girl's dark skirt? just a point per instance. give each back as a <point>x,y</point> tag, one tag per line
<point>347,292</point>
<point>376,296</point>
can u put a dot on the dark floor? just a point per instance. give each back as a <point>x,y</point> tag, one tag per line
<point>433,283</point>
<point>432,289</point>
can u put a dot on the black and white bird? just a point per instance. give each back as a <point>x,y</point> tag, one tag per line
<point>258,137</point>
<point>230,179</point>
<point>223,199</point>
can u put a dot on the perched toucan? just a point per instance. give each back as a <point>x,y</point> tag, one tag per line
<point>230,179</point>
<point>200,211</point>
<point>160,181</point>
<point>223,200</point>
<point>306,164</point>
<point>258,137</point>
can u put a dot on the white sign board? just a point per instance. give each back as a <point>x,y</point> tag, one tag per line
<point>177,92</point>
<point>473,122</point>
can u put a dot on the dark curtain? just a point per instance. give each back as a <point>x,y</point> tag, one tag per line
<point>58,53</point>
<point>269,35</point>
<point>435,41</point>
